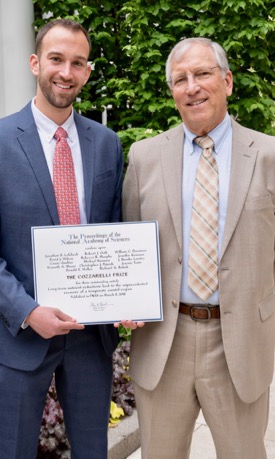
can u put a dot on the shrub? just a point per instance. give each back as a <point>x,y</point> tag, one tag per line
<point>53,443</point>
<point>123,393</point>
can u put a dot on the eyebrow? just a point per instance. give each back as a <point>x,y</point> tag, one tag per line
<point>57,53</point>
<point>197,69</point>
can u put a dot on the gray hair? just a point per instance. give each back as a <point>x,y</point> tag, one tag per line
<point>181,47</point>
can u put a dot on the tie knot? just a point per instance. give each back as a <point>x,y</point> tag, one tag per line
<point>60,133</point>
<point>206,143</point>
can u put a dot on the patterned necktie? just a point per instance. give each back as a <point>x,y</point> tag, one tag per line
<point>203,256</point>
<point>64,181</point>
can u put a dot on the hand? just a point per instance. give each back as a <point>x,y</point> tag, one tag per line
<point>129,324</point>
<point>49,322</point>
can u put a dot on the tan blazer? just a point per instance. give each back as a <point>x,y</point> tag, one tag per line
<point>153,191</point>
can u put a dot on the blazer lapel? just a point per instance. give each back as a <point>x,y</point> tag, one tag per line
<point>242,167</point>
<point>171,158</point>
<point>30,142</point>
<point>32,148</point>
<point>87,145</point>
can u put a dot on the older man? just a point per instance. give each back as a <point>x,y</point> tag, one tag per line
<point>210,183</point>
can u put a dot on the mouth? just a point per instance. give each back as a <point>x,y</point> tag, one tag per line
<point>63,86</point>
<point>197,102</point>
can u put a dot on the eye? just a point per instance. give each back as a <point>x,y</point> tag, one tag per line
<point>203,74</point>
<point>180,80</point>
<point>78,64</point>
<point>55,59</point>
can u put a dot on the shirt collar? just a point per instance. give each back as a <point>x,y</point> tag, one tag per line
<point>47,127</point>
<point>217,134</point>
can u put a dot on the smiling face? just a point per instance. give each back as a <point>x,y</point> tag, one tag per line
<point>200,89</point>
<point>61,69</point>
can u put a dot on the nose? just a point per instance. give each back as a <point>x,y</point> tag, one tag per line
<point>66,71</point>
<point>191,85</point>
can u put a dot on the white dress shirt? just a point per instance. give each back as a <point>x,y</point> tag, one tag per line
<point>46,129</point>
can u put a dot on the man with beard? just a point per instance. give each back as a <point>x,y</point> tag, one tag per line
<point>36,340</point>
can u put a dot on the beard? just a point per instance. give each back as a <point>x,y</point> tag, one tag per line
<point>56,100</point>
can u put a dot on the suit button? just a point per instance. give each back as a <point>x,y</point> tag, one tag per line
<point>180,260</point>
<point>175,304</point>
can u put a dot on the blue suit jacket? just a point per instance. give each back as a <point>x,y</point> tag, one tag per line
<point>27,199</point>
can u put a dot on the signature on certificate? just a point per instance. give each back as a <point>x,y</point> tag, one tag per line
<point>100,305</point>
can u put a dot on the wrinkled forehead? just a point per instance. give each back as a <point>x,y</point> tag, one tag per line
<point>194,51</point>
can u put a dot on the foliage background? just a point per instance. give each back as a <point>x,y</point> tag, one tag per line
<point>131,42</point>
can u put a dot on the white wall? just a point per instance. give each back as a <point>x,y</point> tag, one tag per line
<point>17,85</point>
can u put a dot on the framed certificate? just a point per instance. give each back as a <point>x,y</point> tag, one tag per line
<point>99,273</point>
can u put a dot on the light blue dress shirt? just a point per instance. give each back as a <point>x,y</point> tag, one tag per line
<point>222,138</point>
<point>46,129</point>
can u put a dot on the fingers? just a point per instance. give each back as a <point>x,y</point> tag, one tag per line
<point>62,316</point>
<point>49,322</point>
<point>68,322</point>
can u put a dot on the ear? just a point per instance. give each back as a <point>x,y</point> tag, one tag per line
<point>88,72</point>
<point>228,83</point>
<point>34,64</point>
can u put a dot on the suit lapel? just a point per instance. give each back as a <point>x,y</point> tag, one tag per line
<point>30,142</point>
<point>87,145</point>
<point>171,159</point>
<point>242,167</point>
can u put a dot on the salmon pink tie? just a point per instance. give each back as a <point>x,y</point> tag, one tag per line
<point>64,181</point>
<point>203,256</point>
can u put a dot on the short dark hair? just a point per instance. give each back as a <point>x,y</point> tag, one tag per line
<point>67,24</point>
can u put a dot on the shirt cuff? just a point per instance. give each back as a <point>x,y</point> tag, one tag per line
<point>24,325</point>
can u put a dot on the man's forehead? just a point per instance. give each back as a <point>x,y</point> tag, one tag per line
<point>67,34</point>
<point>57,39</point>
<point>199,57</point>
